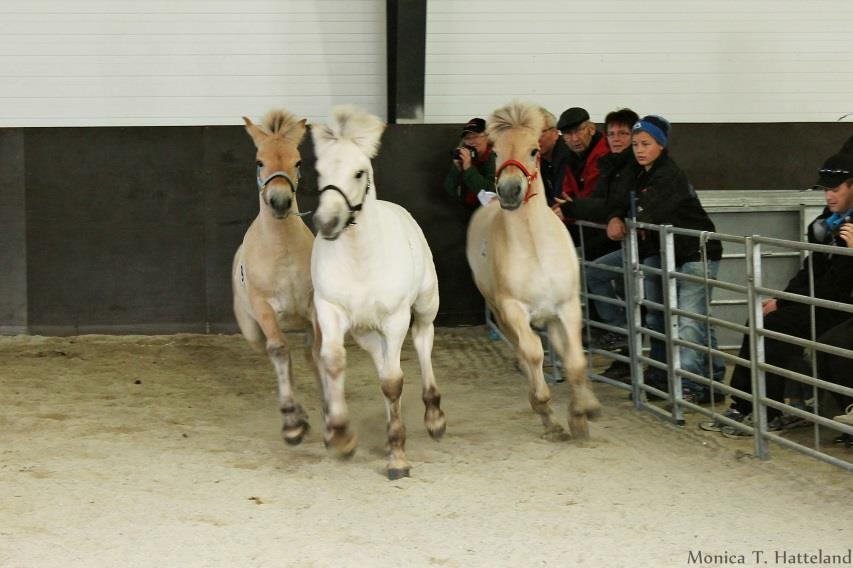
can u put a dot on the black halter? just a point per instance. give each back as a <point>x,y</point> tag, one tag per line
<point>352,208</point>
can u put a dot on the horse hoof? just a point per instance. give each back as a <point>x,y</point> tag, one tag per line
<point>398,472</point>
<point>344,442</point>
<point>437,428</point>
<point>294,436</point>
<point>555,433</point>
<point>579,427</point>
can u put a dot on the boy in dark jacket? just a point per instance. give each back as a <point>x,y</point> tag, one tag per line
<point>664,197</point>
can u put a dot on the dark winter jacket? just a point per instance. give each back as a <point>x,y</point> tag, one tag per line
<point>610,198</point>
<point>554,170</point>
<point>664,197</point>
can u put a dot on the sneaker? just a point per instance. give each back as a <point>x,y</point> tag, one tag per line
<point>717,425</point>
<point>844,440</point>
<point>786,422</point>
<point>732,432</point>
<point>618,371</point>
<point>847,417</point>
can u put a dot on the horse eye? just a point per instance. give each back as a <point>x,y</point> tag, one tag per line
<point>359,174</point>
<point>298,164</point>
<point>259,163</point>
<point>534,152</point>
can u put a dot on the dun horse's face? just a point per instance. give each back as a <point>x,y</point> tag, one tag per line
<point>275,156</point>
<point>517,150</point>
<point>344,176</point>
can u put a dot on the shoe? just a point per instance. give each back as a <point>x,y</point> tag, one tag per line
<point>846,418</point>
<point>618,371</point>
<point>717,425</point>
<point>609,341</point>
<point>732,432</point>
<point>844,440</point>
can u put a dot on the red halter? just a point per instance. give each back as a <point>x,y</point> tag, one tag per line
<point>530,177</point>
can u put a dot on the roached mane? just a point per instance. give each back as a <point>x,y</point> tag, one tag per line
<point>516,115</point>
<point>282,123</point>
<point>352,124</point>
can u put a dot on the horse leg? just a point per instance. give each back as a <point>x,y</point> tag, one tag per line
<point>385,350</point>
<point>333,360</point>
<point>313,340</point>
<point>295,419</point>
<point>530,356</point>
<point>423,334</point>
<point>565,336</point>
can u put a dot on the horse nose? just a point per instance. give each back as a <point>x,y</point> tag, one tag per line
<point>280,203</point>
<point>325,225</point>
<point>509,190</point>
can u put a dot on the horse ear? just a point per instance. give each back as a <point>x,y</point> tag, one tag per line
<point>368,141</point>
<point>258,135</point>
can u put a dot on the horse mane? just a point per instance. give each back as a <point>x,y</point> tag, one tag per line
<point>516,114</point>
<point>280,122</point>
<point>352,124</point>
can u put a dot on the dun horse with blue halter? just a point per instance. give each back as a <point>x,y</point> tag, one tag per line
<point>525,265</point>
<point>373,275</point>
<point>271,271</point>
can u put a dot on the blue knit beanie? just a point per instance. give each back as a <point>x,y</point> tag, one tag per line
<point>657,126</point>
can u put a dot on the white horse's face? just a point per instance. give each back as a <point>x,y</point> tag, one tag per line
<point>344,175</point>
<point>517,159</point>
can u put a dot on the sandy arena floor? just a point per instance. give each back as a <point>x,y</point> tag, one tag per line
<point>165,451</point>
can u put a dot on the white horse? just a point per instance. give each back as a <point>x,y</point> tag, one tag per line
<point>525,265</point>
<point>373,274</point>
<point>271,270</point>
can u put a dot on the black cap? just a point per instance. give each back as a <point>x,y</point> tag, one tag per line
<point>835,170</point>
<point>571,118</point>
<point>475,125</point>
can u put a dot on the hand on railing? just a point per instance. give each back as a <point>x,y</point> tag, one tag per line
<point>769,306</point>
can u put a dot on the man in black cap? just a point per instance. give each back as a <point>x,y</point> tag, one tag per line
<point>833,280</point>
<point>473,168</point>
<point>587,145</point>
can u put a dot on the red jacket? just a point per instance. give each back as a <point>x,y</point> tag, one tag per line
<point>589,174</point>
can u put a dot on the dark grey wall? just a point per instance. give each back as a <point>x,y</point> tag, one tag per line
<point>133,229</point>
<point>13,239</point>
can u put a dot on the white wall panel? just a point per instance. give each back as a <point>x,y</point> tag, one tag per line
<point>690,60</point>
<point>187,62</point>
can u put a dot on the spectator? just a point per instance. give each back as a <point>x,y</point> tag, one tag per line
<point>473,165</point>
<point>586,146</point>
<point>554,156</point>
<point>665,197</point>
<point>833,280</point>
<point>609,204</point>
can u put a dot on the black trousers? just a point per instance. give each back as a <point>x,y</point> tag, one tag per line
<point>791,319</point>
<point>834,368</point>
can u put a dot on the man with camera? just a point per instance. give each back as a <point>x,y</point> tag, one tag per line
<point>473,168</point>
<point>832,278</point>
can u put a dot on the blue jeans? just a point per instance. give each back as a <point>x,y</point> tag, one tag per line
<point>600,282</point>
<point>691,298</point>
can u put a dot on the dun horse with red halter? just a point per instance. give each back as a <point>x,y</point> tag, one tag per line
<point>525,265</point>
<point>271,275</point>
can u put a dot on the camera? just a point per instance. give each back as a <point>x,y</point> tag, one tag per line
<point>457,155</point>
